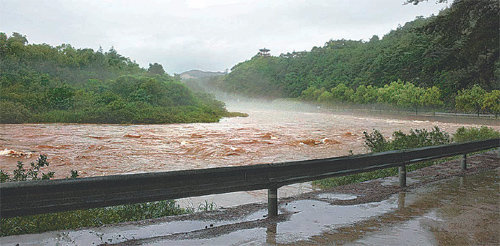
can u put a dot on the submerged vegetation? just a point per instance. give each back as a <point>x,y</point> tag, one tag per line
<point>447,62</point>
<point>41,83</point>
<point>376,142</point>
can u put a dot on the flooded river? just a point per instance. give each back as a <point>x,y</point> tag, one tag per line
<point>271,133</point>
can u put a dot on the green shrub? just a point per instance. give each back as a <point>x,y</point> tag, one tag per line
<point>79,218</point>
<point>472,133</point>
<point>88,217</point>
<point>12,112</point>
<point>376,142</point>
<point>21,174</point>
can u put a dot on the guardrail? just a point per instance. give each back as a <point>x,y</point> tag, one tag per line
<point>45,196</point>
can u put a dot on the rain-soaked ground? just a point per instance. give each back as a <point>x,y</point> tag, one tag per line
<point>461,210</point>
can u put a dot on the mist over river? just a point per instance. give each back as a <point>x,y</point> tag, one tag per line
<point>273,132</point>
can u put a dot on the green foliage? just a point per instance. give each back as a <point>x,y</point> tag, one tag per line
<point>442,54</point>
<point>397,94</point>
<point>491,102</point>
<point>471,100</point>
<point>312,93</point>
<point>325,97</point>
<point>156,69</point>
<point>410,96</point>
<point>40,83</point>
<point>21,174</point>
<point>236,114</point>
<point>79,218</point>
<point>419,138</point>
<point>74,174</point>
<point>472,133</point>
<point>376,142</point>
<point>12,112</point>
<point>89,217</point>
<point>342,93</point>
<point>432,97</point>
<point>207,206</point>
<point>365,95</point>
<point>255,78</point>
<point>361,177</point>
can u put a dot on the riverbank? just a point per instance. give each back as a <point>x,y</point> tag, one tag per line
<point>327,216</point>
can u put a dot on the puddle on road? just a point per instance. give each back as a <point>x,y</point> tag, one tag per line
<point>458,211</point>
<point>334,196</point>
<point>232,199</point>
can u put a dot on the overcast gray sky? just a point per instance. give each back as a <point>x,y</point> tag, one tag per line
<point>209,35</point>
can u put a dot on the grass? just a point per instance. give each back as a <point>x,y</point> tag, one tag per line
<point>361,177</point>
<point>236,114</point>
<point>89,217</point>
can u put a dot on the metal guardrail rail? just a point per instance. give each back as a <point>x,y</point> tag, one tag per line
<point>45,196</point>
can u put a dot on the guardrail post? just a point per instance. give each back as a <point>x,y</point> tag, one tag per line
<point>271,234</point>
<point>401,200</point>
<point>464,162</point>
<point>402,176</point>
<point>272,202</point>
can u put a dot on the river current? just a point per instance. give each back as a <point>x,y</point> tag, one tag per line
<point>273,132</point>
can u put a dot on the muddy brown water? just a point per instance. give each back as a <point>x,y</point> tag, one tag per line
<point>272,133</point>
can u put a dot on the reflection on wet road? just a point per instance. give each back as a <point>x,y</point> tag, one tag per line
<point>458,211</point>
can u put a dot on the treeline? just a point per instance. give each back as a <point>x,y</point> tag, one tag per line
<point>407,96</point>
<point>41,83</point>
<point>452,52</point>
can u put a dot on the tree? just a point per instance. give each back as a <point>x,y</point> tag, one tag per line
<point>470,100</point>
<point>359,95</point>
<point>491,102</point>
<point>311,93</point>
<point>452,51</point>
<point>410,96</point>
<point>371,94</point>
<point>61,97</point>
<point>325,97</point>
<point>432,98</point>
<point>390,92</point>
<point>342,93</point>
<point>42,83</point>
<point>374,38</point>
<point>156,68</point>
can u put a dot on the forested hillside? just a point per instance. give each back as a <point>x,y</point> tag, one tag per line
<point>41,83</point>
<point>426,62</point>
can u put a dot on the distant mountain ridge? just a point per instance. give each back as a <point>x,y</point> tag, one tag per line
<point>197,74</point>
